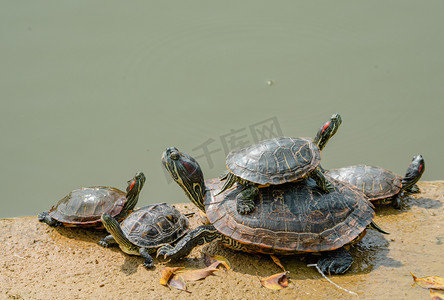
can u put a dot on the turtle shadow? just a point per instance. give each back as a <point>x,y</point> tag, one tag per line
<point>369,254</point>
<point>423,202</point>
<point>81,234</point>
<point>77,233</point>
<point>131,264</point>
<point>408,201</point>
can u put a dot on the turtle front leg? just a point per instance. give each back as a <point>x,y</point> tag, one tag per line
<point>413,189</point>
<point>245,199</point>
<point>397,201</point>
<point>145,253</point>
<point>321,181</point>
<point>198,236</point>
<point>44,217</point>
<point>337,261</point>
<point>107,241</point>
<point>224,175</point>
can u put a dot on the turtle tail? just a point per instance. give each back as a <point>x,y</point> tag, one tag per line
<point>374,226</point>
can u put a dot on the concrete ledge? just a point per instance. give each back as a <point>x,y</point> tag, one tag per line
<point>39,262</point>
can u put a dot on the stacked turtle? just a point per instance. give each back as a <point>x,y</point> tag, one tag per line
<point>282,202</point>
<point>278,161</point>
<point>290,218</point>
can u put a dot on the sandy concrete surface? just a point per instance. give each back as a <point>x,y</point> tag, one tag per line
<point>40,262</point>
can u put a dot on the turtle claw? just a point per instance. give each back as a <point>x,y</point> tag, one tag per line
<point>103,243</point>
<point>224,175</point>
<point>148,265</point>
<point>397,203</point>
<point>414,189</point>
<point>329,188</point>
<point>44,217</point>
<point>166,251</point>
<point>245,206</point>
<point>148,262</point>
<point>245,199</point>
<point>336,262</point>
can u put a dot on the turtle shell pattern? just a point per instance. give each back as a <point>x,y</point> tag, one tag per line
<point>375,182</point>
<point>292,218</point>
<point>275,161</point>
<point>155,225</point>
<point>86,205</point>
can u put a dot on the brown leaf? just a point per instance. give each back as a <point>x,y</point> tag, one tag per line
<point>167,273</point>
<point>436,295</point>
<point>178,282</point>
<point>211,260</point>
<point>278,262</point>
<point>276,281</point>
<point>430,282</point>
<point>198,274</point>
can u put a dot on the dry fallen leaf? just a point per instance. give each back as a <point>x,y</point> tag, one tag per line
<point>167,273</point>
<point>211,260</point>
<point>197,274</point>
<point>179,283</point>
<point>430,282</point>
<point>278,262</point>
<point>436,295</point>
<point>276,281</point>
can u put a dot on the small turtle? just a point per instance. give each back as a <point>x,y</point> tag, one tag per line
<point>145,230</point>
<point>84,207</point>
<point>277,161</point>
<point>379,185</point>
<point>289,219</point>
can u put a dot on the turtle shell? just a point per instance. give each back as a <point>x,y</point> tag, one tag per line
<point>292,218</point>
<point>155,225</point>
<point>275,161</point>
<point>83,207</point>
<point>376,183</point>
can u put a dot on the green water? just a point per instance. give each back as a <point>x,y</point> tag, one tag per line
<point>93,91</point>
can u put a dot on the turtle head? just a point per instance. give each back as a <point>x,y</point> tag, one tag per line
<point>132,194</point>
<point>414,172</point>
<point>327,130</point>
<point>106,218</point>
<point>136,183</point>
<point>187,173</point>
<point>113,227</point>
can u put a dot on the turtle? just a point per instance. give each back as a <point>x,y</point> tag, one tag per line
<point>277,161</point>
<point>83,207</point>
<point>382,186</point>
<point>145,230</point>
<point>290,218</point>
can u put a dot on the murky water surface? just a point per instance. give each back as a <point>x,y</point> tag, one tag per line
<point>92,93</point>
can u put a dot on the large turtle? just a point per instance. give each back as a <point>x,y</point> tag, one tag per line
<point>291,218</point>
<point>145,230</point>
<point>84,207</point>
<point>277,161</point>
<point>382,186</point>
